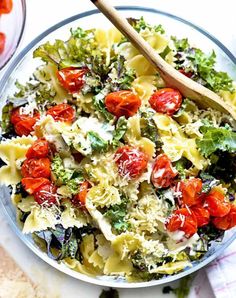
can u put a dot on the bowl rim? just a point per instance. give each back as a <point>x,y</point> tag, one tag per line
<point>82,277</point>
<point>24,12</point>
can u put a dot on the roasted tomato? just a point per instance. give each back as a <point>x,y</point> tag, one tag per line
<point>215,204</point>
<point>191,191</point>
<point>46,194</point>
<point>72,78</point>
<point>39,149</point>
<point>122,103</point>
<point>163,173</point>
<point>62,112</point>
<point>31,185</point>
<point>23,124</point>
<point>183,220</point>
<point>81,196</point>
<point>131,161</point>
<point>2,42</point>
<point>226,222</point>
<point>36,168</point>
<point>202,215</point>
<point>166,101</point>
<point>188,74</point>
<point>5,6</point>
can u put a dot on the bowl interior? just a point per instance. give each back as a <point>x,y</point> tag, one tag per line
<point>22,67</point>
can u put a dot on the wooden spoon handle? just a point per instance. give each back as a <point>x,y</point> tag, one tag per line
<point>201,95</point>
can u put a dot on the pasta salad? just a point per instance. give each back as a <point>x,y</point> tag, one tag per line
<point>111,171</point>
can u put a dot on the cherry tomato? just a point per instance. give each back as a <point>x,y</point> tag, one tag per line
<point>36,168</point>
<point>131,161</point>
<point>163,173</point>
<point>46,194</point>
<point>122,103</point>
<point>166,101</point>
<point>183,220</point>
<point>216,205</point>
<point>202,215</point>
<point>31,185</point>
<point>81,196</point>
<point>5,6</point>
<point>187,74</point>
<point>191,190</point>
<point>226,222</point>
<point>40,148</point>
<point>72,78</point>
<point>2,42</point>
<point>62,112</point>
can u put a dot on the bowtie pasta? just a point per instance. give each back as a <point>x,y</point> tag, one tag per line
<point>113,172</point>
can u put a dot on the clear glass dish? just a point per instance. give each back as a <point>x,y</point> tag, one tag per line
<point>24,64</point>
<point>12,25</point>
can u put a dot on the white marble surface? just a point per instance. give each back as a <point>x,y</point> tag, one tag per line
<point>218,17</point>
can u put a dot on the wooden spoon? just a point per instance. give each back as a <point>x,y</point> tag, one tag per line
<point>201,95</point>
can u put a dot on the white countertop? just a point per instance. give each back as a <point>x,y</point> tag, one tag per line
<point>218,17</point>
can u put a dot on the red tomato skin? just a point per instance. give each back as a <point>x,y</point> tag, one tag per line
<point>39,149</point>
<point>122,103</point>
<point>166,101</point>
<point>202,215</point>
<point>72,78</point>
<point>191,190</point>
<point>31,185</point>
<point>6,6</point>
<point>131,161</point>
<point>163,173</point>
<point>17,116</point>
<point>62,112</point>
<point>81,196</point>
<point>25,127</point>
<point>2,42</point>
<point>214,202</point>
<point>183,220</point>
<point>226,222</point>
<point>36,168</point>
<point>46,194</point>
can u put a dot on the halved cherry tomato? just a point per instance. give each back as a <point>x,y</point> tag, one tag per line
<point>31,185</point>
<point>215,204</point>
<point>122,103</point>
<point>47,194</point>
<point>187,74</point>
<point>191,190</point>
<point>163,173</point>
<point>81,196</point>
<point>40,148</point>
<point>202,215</point>
<point>226,222</point>
<point>183,220</point>
<point>17,116</point>
<point>36,168</point>
<point>5,6</point>
<point>2,42</point>
<point>131,161</point>
<point>166,101</point>
<point>62,112</point>
<point>72,78</point>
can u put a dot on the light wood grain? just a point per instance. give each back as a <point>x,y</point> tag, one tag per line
<point>202,96</point>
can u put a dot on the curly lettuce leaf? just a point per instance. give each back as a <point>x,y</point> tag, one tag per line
<point>119,132</point>
<point>97,143</point>
<point>214,139</point>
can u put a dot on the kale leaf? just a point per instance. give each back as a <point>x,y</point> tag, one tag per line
<point>140,25</point>
<point>116,215</point>
<point>120,130</point>
<point>97,143</point>
<point>214,139</point>
<point>148,127</point>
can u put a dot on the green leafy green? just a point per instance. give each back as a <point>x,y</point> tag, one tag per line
<point>208,182</point>
<point>215,139</point>
<point>98,102</point>
<point>69,177</point>
<point>5,122</point>
<point>148,127</point>
<point>140,25</point>
<point>120,130</point>
<point>111,293</point>
<point>166,51</point>
<point>181,166</point>
<point>202,66</point>
<point>116,215</point>
<point>97,143</point>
